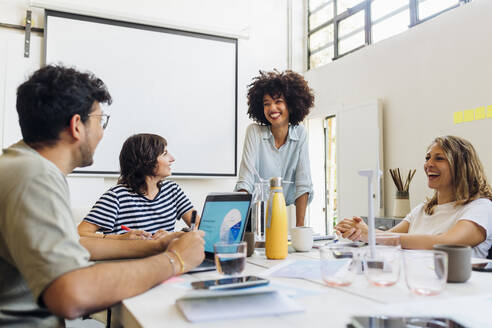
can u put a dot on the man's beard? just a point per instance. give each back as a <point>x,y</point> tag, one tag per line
<point>86,155</point>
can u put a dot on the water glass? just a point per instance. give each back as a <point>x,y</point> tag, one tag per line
<point>260,199</point>
<point>426,271</point>
<point>230,258</point>
<point>338,265</point>
<point>383,267</point>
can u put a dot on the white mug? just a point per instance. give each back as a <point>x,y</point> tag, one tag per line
<point>302,238</point>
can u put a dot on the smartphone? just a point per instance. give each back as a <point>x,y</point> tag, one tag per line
<point>403,322</point>
<point>230,283</point>
<point>482,267</point>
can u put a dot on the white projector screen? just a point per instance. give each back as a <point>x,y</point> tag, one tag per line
<point>180,85</point>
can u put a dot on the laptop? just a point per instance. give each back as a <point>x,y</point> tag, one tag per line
<point>224,218</point>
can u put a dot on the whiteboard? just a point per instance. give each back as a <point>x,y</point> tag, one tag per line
<point>359,147</point>
<point>180,85</point>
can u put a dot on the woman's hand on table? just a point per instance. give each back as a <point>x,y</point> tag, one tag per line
<point>136,234</point>
<point>352,228</point>
<point>160,234</point>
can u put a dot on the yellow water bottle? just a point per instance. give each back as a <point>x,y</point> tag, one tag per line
<point>276,222</point>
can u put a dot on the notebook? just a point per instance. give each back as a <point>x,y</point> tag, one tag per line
<point>224,218</point>
<point>201,306</point>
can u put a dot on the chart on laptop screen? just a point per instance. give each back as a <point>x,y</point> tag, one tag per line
<point>223,221</point>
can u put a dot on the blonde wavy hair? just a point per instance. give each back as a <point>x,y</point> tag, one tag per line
<point>468,177</point>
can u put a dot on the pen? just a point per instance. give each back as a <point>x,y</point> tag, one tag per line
<point>193,220</point>
<point>125,228</point>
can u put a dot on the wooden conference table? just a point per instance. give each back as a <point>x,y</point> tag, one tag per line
<point>470,302</point>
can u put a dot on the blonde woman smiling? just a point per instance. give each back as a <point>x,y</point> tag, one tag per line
<point>460,212</point>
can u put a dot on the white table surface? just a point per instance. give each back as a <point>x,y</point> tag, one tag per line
<point>325,306</point>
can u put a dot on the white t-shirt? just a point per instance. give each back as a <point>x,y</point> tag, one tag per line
<point>447,215</point>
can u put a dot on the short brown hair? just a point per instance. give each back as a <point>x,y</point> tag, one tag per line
<point>291,85</point>
<point>138,159</point>
<point>468,177</point>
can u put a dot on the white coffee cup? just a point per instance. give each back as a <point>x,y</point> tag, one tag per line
<point>302,238</point>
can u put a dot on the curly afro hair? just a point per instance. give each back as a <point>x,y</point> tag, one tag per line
<point>291,85</point>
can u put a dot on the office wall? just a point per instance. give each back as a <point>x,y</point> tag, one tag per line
<point>422,76</point>
<point>265,23</point>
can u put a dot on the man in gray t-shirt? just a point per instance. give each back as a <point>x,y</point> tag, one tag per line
<point>46,273</point>
<point>43,242</point>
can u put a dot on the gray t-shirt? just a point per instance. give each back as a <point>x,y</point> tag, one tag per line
<point>38,237</point>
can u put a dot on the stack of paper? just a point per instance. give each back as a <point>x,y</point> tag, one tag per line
<point>213,305</point>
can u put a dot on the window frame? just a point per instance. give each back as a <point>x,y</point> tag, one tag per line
<point>413,6</point>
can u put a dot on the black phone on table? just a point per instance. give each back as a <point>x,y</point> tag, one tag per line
<point>403,322</point>
<point>482,267</point>
<point>230,283</point>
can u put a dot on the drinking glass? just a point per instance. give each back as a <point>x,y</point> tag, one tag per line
<point>260,199</point>
<point>426,271</point>
<point>338,264</point>
<point>383,267</point>
<point>230,258</point>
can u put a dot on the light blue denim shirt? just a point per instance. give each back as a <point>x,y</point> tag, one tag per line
<point>290,161</point>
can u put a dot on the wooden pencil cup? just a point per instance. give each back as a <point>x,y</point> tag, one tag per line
<point>401,205</point>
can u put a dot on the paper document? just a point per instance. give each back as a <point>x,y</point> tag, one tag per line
<point>235,305</point>
<point>303,269</point>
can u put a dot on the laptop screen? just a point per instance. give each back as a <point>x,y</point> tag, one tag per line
<point>224,218</point>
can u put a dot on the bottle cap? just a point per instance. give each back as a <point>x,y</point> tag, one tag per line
<point>276,182</point>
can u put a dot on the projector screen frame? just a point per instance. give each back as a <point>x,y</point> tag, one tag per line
<point>147,27</point>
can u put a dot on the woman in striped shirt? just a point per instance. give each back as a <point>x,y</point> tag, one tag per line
<point>142,205</point>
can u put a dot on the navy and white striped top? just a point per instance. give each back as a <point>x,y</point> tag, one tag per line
<point>122,206</point>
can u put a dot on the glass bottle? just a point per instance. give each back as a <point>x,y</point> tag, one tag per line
<point>276,222</point>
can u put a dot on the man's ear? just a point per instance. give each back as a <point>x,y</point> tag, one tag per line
<point>76,127</point>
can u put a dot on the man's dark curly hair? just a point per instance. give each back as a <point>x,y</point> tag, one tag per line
<point>138,159</point>
<point>49,99</point>
<point>291,85</point>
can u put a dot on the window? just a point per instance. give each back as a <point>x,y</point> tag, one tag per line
<point>388,18</point>
<point>323,14</point>
<point>321,47</point>
<point>430,8</point>
<point>344,5</point>
<point>339,27</point>
<point>351,33</point>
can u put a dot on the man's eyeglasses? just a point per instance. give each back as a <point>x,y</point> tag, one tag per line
<point>104,119</point>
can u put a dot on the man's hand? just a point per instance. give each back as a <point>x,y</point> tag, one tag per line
<point>165,239</point>
<point>190,246</point>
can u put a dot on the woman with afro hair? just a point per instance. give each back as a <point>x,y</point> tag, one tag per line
<point>276,145</point>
